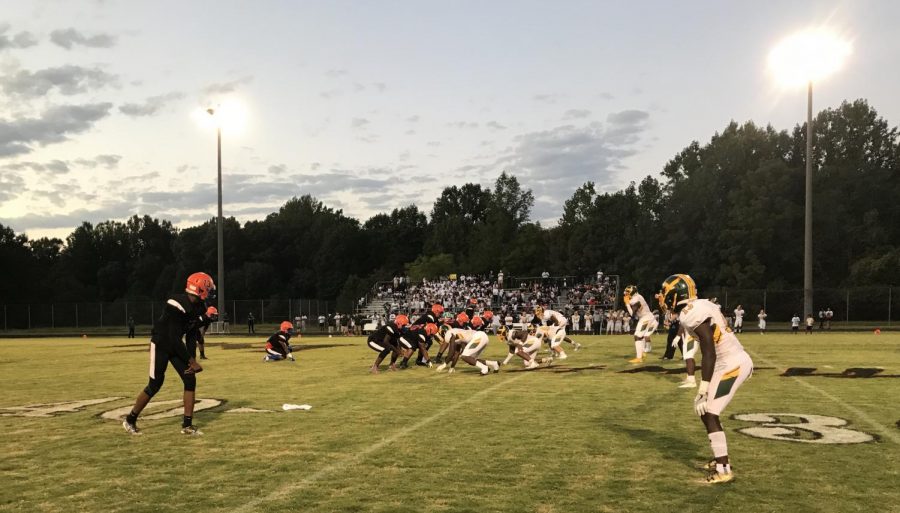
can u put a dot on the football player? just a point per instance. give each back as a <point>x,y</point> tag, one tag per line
<point>385,340</point>
<point>468,344</point>
<point>521,344</point>
<point>183,313</point>
<point>646,322</point>
<point>724,368</point>
<point>416,337</point>
<point>555,329</point>
<point>461,322</point>
<point>278,346</point>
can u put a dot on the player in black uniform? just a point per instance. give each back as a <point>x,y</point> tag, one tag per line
<point>196,338</point>
<point>416,337</point>
<point>183,314</point>
<point>278,346</point>
<point>386,340</point>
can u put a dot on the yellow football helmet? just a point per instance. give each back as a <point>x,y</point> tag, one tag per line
<point>532,329</point>
<point>502,331</point>
<point>677,290</point>
<point>539,311</point>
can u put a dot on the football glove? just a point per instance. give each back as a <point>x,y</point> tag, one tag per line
<point>700,402</point>
<point>675,341</point>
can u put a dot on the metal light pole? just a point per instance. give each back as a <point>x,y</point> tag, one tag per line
<point>807,232</point>
<point>220,226</point>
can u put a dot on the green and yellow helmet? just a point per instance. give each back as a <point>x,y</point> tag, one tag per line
<point>442,331</point>
<point>532,329</point>
<point>676,291</point>
<point>630,290</point>
<point>502,331</point>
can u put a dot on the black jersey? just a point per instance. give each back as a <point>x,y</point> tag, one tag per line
<point>387,335</point>
<point>274,342</point>
<point>425,319</point>
<point>179,318</point>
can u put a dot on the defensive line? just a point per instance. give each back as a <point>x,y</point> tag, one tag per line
<point>291,488</point>
<point>861,414</point>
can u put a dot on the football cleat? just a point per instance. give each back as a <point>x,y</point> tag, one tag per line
<point>719,477</point>
<point>688,384</point>
<point>710,466</point>
<point>451,370</point>
<point>577,346</point>
<point>636,360</point>
<point>485,371</point>
<point>441,367</point>
<point>562,356</point>
<point>131,428</point>
<point>191,431</point>
<point>494,366</point>
<point>532,365</point>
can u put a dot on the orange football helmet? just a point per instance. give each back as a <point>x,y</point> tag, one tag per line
<point>286,326</point>
<point>200,285</point>
<point>401,321</point>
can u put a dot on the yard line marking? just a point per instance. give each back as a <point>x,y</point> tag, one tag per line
<point>888,433</point>
<point>293,487</point>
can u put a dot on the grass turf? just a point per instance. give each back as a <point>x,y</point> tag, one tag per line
<point>580,435</point>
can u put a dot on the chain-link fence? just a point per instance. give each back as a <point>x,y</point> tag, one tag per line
<point>143,313</point>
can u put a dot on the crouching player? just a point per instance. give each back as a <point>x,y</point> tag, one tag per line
<point>468,344</point>
<point>521,344</point>
<point>278,346</point>
<point>724,368</point>
<point>183,313</point>
<point>555,323</point>
<point>417,338</point>
<point>386,340</point>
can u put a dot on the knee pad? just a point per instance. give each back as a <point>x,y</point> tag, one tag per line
<point>153,386</point>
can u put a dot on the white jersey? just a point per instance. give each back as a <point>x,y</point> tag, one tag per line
<point>552,315</point>
<point>697,312</point>
<point>738,314</point>
<point>461,334</point>
<point>637,307</point>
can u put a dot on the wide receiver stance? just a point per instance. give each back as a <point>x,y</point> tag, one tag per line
<point>183,314</point>
<point>646,322</point>
<point>724,368</point>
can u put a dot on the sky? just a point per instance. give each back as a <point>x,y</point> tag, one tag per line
<point>375,105</point>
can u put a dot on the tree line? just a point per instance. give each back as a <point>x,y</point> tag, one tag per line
<point>729,212</point>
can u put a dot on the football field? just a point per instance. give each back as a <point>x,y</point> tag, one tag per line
<point>817,428</point>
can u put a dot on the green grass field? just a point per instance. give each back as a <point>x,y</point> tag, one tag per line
<point>578,436</point>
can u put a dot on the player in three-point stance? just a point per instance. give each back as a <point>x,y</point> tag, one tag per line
<point>724,368</point>
<point>468,344</point>
<point>417,337</point>
<point>278,346</point>
<point>462,321</point>
<point>521,344</point>
<point>386,340</point>
<point>646,322</point>
<point>183,313</point>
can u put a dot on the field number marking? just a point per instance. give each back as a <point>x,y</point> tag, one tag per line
<point>803,428</point>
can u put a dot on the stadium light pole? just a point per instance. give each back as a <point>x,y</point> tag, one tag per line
<point>220,225</point>
<point>801,59</point>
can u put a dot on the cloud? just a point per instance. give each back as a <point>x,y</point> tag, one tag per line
<point>576,114</point>
<point>331,93</point>
<point>55,125</point>
<point>571,154</point>
<point>335,73</point>
<point>548,97</point>
<point>67,38</point>
<point>606,96</point>
<point>11,185</point>
<point>105,161</point>
<point>150,106</point>
<point>414,119</point>
<point>463,125</point>
<point>68,80</point>
<point>380,86</point>
<point>20,40</point>
<point>495,125</point>
<point>359,123</point>
<point>220,88</point>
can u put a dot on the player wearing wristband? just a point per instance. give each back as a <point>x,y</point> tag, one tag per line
<point>724,368</point>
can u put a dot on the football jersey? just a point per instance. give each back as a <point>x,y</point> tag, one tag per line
<point>696,312</point>
<point>637,307</point>
<point>274,342</point>
<point>516,337</point>
<point>739,314</point>
<point>464,335</point>
<point>180,316</point>
<point>553,317</point>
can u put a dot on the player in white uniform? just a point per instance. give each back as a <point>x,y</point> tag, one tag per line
<point>646,322</point>
<point>468,345</point>
<point>739,319</point>
<point>724,368</point>
<point>555,324</point>
<point>521,344</point>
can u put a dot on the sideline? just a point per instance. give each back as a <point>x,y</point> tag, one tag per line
<point>882,430</point>
<point>293,487</point>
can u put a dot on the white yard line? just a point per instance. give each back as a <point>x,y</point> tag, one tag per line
<point>885,431</point>
<point>355,458</point>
